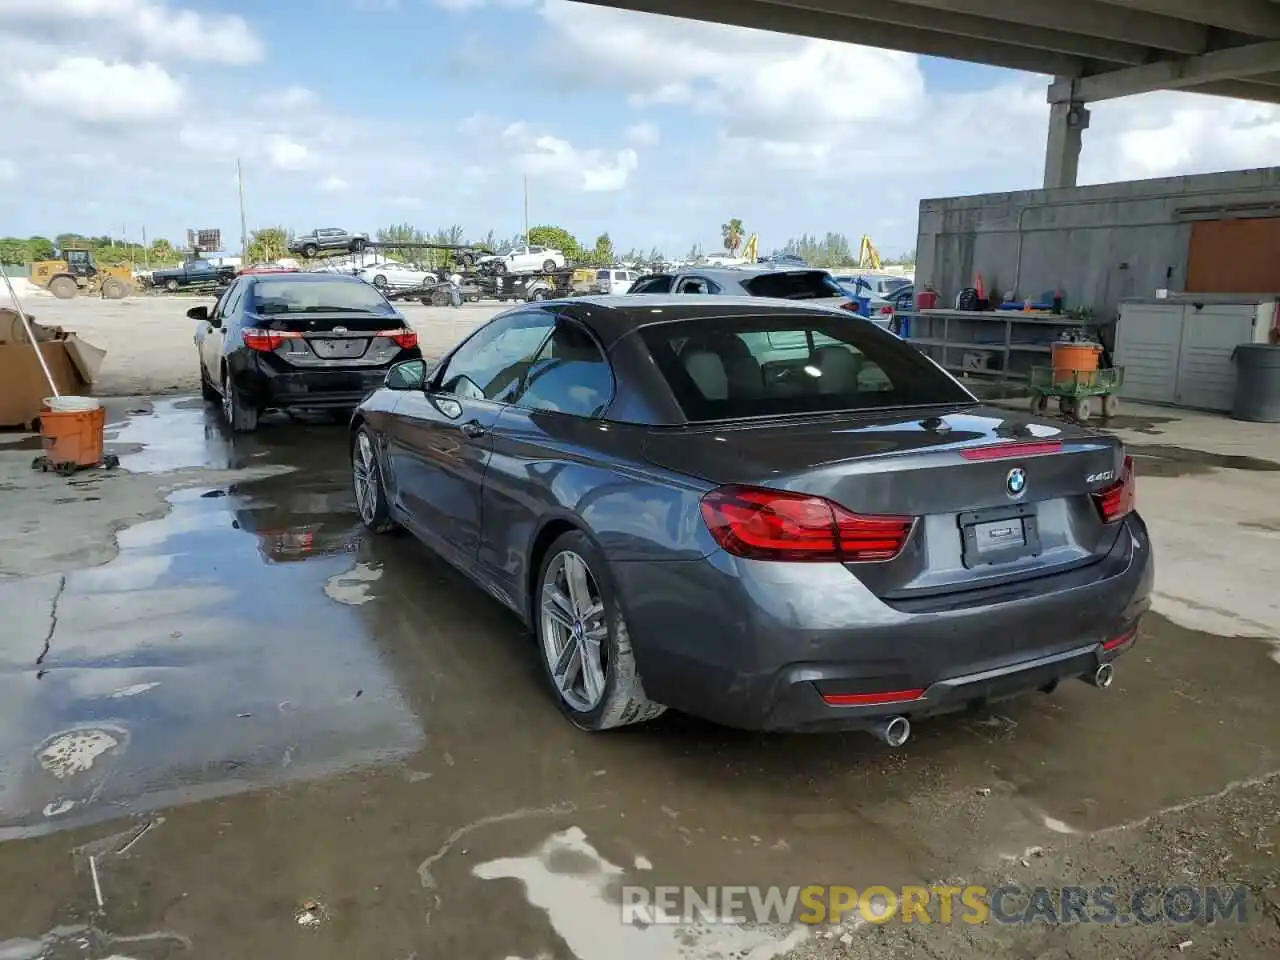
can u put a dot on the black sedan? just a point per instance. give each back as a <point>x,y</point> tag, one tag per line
<point>769,514</point>
<point>297,341</point>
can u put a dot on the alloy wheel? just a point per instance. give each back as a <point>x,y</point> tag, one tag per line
<point>364,469</point>
<point>574,631</point>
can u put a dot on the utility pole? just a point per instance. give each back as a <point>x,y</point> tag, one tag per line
<point>244,229</point>
<point>146,253</point>
<point>526,208</point>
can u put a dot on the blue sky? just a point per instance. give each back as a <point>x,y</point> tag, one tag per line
<point>361,113</point>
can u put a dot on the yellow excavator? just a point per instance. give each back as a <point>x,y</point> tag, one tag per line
<point>868,255</point>
<point>751,252</point>
<point>75,271</point>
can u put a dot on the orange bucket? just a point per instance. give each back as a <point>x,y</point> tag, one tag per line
<point>74,437</point>
<point>1075,362</point>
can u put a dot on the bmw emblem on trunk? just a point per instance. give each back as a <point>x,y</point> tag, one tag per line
<point>1016,482</point>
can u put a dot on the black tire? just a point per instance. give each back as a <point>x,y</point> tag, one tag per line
<point>623,700</point>
<point>1110,406</point>
<point>241,416</point>
<point>171,285</point>
<point>468,260</point>
<point>310,250</point>
<point>538,296</point>
<point>114,290</point>
<point>64,288</point>
<point>1082,409</point>
<point>1039,403</point>
<point>380,282</point>
<point>374,510</point>
<point>499,268</point>
<point>548,266</point>
<point>208,392</point>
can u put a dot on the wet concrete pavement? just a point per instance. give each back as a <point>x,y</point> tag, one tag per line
<point>255,705</point>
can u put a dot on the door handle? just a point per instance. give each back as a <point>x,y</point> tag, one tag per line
<point>473,429</point>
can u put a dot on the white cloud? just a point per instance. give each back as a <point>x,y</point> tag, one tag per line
<point>287,154</point>
<point>158,29</point>
<point>90,89</point>
<point>557,160</point>
<point>8,170</point>
<point>643,134</point>
<point>333,184</point>
<point>290,98</point>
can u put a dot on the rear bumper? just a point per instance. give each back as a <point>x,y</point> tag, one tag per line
<point>759,646</point>
<point>266,384</point>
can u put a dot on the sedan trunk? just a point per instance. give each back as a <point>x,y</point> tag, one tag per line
<point>996,497</point>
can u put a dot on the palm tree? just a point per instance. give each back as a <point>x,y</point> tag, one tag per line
<point>732,234</point>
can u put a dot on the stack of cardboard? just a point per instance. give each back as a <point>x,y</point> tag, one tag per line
<point>73,363</point>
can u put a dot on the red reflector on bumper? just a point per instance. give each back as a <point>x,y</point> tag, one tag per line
<point>1007,451</point>
<point>867,699</point>
<point>1120,641</point>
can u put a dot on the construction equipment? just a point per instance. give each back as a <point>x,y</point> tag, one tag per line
<point>868,255</point>
<point>751,251</point>
<point>76,271</point>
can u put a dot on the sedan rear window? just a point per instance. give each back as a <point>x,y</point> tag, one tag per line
<point>795,285</point>
<point>271,297</point>
<point>728,367</point>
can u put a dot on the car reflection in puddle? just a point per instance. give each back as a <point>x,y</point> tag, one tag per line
<point>210,649</point>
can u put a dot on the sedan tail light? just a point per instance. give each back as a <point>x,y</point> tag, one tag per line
<point>1117,500</point>
<point>403,338</point>
<point>267,340</point>
<point>850,305</point>
<point>776,525</point>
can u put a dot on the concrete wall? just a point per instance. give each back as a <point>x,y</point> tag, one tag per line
<point>1099,244</point>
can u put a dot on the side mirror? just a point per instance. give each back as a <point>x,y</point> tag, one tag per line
<point>200,313</point>
<point>406,375</point>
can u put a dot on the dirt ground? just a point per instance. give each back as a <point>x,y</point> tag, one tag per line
<point>237,726</point>
<point>149,346</point>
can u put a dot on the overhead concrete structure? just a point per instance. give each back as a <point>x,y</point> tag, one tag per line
<point>1095,49</point>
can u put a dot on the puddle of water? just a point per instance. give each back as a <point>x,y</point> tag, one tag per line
<point>1159,460</point>
<point>204,657</point>
<point>578,890</point>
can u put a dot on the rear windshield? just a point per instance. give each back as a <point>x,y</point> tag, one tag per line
<point>795,285</point>
<point>273,296</point>
<point>723,368</point>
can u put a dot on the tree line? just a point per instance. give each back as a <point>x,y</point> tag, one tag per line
<point>272,243</point>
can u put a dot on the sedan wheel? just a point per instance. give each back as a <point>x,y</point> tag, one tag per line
<point>586,649</point>
<point>371,497</point>
<point>241,416</point>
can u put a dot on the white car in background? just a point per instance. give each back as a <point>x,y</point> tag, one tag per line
<point>526,259</point>
<point>395,276</point>
<point>615,282</point>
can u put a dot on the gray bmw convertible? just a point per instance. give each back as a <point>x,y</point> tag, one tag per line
<point>770,515</point>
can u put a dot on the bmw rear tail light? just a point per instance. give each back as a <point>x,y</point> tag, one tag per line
<point>775,525</point>
<point>403,338</point>
<point>267,340</point>
<point>1117,501</point>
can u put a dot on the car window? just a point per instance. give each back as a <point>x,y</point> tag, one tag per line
<point>725,368</point>
<point>231,299</point>
<point>697,285</point>
<point>653,285</point>
<point>569,375</point>
<point>795,285</point>
<point>280,294</point>
<point>602,274</point>
<point>490,365</point>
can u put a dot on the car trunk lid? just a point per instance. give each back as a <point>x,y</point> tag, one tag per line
<point>336,338</point>
<point>997,496</point>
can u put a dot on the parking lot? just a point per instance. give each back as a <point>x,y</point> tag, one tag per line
<point>238,726</point>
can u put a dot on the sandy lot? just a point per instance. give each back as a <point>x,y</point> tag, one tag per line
<point>148,339</point>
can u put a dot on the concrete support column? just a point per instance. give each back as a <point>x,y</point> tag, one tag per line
<point>1068,120</point>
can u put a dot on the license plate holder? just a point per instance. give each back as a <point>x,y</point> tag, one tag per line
<point>999,535</point>
<point>339,348</point>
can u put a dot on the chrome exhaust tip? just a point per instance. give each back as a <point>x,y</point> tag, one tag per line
<point>895,731</point>
<point>1103,676</point>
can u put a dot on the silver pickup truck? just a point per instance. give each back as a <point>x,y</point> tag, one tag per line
<point>328,238</point>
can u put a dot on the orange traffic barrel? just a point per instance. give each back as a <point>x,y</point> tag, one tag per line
<point>71,432</point>
<point>1075,362</point>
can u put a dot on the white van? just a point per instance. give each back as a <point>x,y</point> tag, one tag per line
<point>614,282</point>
